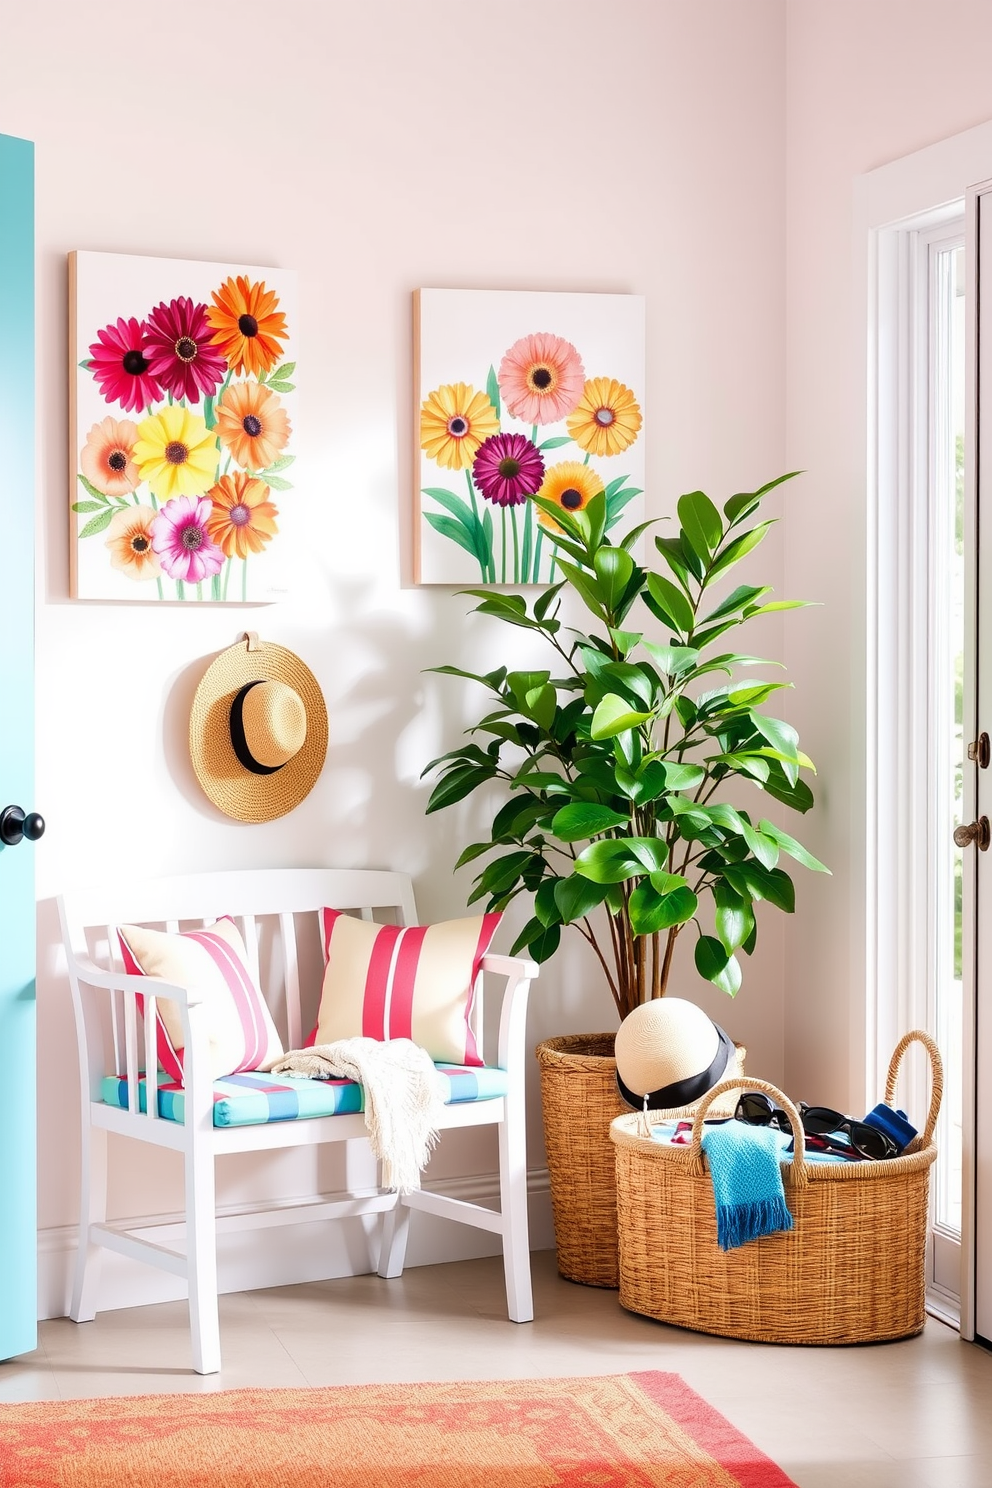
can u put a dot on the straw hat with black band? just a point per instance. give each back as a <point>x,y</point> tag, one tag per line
<point>257,730</point>
<point>669,1053</point>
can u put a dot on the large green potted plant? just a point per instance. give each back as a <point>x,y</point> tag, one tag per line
<point>617,763</point>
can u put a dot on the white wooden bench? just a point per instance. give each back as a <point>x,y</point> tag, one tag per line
<point>280,906</point>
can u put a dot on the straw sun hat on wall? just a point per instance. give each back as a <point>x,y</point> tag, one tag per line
<point>257,730</point>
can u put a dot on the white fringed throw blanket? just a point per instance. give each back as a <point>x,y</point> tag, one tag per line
<point>404,1096</point>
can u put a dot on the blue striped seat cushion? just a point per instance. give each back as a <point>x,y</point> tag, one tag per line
<point>251,1099</point>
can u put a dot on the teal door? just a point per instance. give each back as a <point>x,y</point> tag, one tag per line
<point>18,1223</point>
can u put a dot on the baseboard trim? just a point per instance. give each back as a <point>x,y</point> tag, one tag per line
<point>317,1251</point>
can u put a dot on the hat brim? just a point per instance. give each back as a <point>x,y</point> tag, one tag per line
<point>234,790</point>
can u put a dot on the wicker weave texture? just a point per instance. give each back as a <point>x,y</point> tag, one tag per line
<point>850,1271</point>
<point>579,1101</point>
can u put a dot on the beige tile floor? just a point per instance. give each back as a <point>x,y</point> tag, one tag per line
<point>916,1414</point>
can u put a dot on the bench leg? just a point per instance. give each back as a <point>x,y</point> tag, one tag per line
<point>513,1206</point>
<point>92,1210</point>
<point>395,1232</point>
<point>201,1260</point>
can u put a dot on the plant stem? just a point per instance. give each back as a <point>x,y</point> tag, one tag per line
<point>244,580</point>
<point>516,549</point>
<point>537,553</point>
<point>669,952</point>
<point>502,556</point>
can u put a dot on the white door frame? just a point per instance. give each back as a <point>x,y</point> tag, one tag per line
<point>891,205</point>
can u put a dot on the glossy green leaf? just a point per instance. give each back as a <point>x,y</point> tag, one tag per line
<point>578,896</point>
<point>614,860</point>
<point>739,548</point>
<point>701,523</point>
<point>545,905</point>
<point>584,819</point>
<point>456,785</point>
<point>540,941</point>
<point>651,911</point>
<point>671,601</point>
<point>738,599</point>
<point>672,660</point>
<point>614,716</point>
<point>792,847</point>
<point>714,963</point>
<point>734,917</point>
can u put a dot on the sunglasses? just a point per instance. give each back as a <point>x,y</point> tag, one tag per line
<point>822,1124</point>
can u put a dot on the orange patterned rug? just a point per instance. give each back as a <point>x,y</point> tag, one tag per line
<point>617,1431</point>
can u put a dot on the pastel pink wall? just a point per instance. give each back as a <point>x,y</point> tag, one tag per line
<point>868,81</point>
<point>375,148</point>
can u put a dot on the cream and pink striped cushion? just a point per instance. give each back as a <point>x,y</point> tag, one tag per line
<point>214,963</point>
<point>384,982</point>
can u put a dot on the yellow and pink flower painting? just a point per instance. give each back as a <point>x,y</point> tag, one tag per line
<point>519,395</point>
<point>182,426</point>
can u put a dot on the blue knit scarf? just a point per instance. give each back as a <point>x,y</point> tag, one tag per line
<point>747,1181</point>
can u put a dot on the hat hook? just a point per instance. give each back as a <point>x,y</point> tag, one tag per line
<point>251,636</point>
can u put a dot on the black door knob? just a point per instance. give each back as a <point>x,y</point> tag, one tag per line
<point>14,825</point>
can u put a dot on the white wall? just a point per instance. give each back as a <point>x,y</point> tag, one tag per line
<point>376,148</point>
<point>868,81</point>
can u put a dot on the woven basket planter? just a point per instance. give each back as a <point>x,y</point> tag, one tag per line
<point>851,1270</point>
<point>579,1101</point>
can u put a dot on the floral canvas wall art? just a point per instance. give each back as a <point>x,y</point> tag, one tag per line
<point>182,428</point>
<point>521,394</point>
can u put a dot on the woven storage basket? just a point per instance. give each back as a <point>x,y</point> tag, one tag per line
<point>850,1271</point>
<point>579,1100</point>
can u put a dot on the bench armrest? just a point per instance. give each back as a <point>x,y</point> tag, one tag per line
<point>122,981</point>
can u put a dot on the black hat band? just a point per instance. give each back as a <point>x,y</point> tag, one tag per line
<point>683,1092</point>
<point>238,740</point>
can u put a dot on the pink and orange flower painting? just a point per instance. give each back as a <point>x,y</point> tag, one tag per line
<point>182,427</point>
<point>523,399</point>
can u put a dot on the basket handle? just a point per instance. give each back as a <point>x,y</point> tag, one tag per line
<point>799,1165</point>
<point>918,1036</point>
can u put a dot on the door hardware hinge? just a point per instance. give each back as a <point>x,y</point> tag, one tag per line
<point>981,751</point>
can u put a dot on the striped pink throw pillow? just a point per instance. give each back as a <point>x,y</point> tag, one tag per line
<point>214,963</point>
<point>385,982</point>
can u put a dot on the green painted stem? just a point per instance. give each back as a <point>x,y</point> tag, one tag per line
<point>244,580</point>
<point>528,539</point>
<point>502,556</point>
<point>516,549</point>
<point>537,553</point>
<point>487,566</point>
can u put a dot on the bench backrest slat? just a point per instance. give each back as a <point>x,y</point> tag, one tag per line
<point>277,910</point>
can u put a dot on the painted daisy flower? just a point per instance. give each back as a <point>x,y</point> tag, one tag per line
<point>246,325</point>
<point>606,418</point>
<point>454,421</point>
<point>129,538</point>
<point>176,453</point>
<point>181,350</point>
<point>180,538</point>
<point>541,378</point>
<point>107,457</point>
<point>119,362</point>
<point>243,517</point>
<point>571,486</point>
<point>508,469</point>
<point>253,425</point>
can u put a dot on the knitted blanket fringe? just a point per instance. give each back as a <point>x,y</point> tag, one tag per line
<point>404,1097</point>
